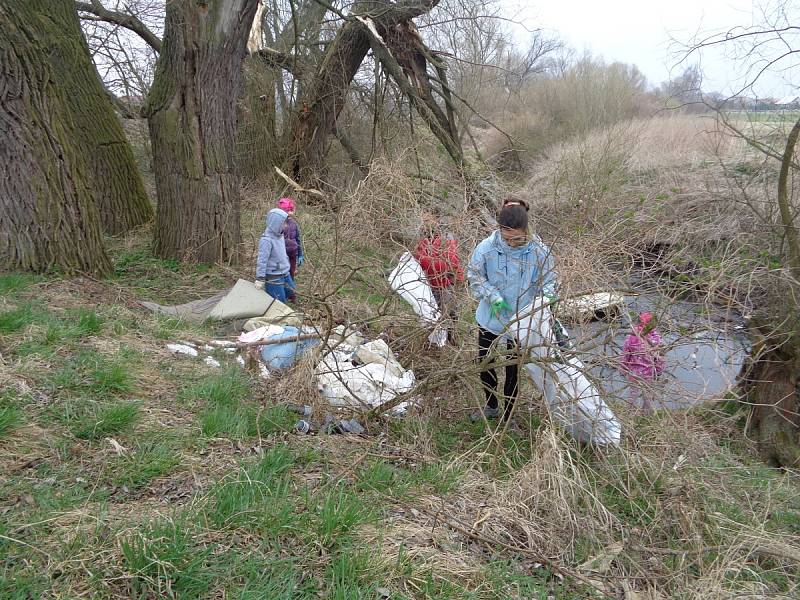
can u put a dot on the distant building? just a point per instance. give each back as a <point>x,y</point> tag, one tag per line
<point>788,102</point>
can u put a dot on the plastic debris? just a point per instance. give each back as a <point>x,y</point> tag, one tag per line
<point>333,426</point>
<point>411,284</point>
<point>282,355</point>
<point>261,333</point>
<point>263,371</point>
<point>223,344</point>
<point>301,409</point>
<point>303,427</point>
<point>182,349</point>
<point>365,378</point>
<point>572,399</point>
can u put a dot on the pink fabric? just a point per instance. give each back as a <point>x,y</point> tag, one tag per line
<point>641,355</point>
<point>286,204</point>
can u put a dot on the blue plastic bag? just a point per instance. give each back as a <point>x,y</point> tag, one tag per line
<point>278,356</point>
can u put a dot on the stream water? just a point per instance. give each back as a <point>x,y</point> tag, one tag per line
<point>704,347</point>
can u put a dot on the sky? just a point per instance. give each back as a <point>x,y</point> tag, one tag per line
<point>646,33</point>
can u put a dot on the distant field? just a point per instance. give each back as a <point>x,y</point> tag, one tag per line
<point>772,116</point>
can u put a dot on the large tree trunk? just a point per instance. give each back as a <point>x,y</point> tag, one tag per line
<point>772,392</point>
<point>48,217</point>
<point>117,186</point>
<point>322,101</point>
<point>191,112</point>
<point>257,148</point>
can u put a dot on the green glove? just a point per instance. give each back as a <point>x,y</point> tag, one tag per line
<point>551,298</point>
<point>499,306</point>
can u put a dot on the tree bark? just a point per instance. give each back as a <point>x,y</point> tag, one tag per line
<point>191,113</point>
<point>323,100</point>
<point>790,229</point>
<point>117,187</point>
<point>48,217</point>
<point>772,384</point>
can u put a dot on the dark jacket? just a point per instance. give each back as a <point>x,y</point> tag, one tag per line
<point>291,235</point>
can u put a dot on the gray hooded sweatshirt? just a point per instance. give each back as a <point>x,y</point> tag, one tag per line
<point>272,260</point>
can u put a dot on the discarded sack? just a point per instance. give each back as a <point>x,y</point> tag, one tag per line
<point>409,281</point>
<point>572,399</point>
<point>364,378</point>
<point>242,301</point>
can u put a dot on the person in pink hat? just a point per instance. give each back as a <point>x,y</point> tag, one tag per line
<point>291,236</point>
<point>642,360</point>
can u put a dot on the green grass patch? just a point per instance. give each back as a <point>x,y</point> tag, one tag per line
<point>163,559</point>
<point>13,283</point>
<point>91,374</point>
<point>106,420</point>
<point>256,498</point>
<point>18,318</point>
<point>10,419</point>
<point>339,512</point>
<point>22,585</point>
<point>349,576</point>
<point>145,462</point>
<point>226,412</point>
<point>228,388</point>
<point>259,577</point>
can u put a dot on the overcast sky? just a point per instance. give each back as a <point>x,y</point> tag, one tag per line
<point>640,32</point>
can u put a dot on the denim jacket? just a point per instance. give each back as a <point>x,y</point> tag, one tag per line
<point>498,271</point>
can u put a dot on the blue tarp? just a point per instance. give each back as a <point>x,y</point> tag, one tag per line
<point>279,356</point>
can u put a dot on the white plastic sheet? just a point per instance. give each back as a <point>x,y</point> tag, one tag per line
<point>572,399</point>
<point>409,281</point>
<point>365,378</point>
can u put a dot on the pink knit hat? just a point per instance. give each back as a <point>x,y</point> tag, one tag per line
<point>286,204</point>
<point>645,319</point>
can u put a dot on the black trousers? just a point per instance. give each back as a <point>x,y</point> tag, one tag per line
<point>489,375</point>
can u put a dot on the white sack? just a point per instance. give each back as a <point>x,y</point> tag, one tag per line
<point>409,281</point>
<point>367,385</point>
<point>571,398</point>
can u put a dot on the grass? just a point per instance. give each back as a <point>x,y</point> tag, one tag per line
<point>93,374</point>
<point>164,559</point>
<point>338,513</point>
<point>212,495</point>
<point>14,283</point>
<point>256,497</point>
<point>10,419</point>
<point>106,420</point>
<point>144,462</point>
<point>226,411</point>
<point>17,319</point>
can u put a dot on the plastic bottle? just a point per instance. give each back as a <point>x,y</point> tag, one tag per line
<point>303,427</point>
<point>301,409</point>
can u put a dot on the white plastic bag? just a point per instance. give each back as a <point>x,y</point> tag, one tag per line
<point>571,397</point>
<point>366,385</point>
<point>409,281</point>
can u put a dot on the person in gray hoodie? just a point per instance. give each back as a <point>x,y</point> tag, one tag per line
<point>272,266</point>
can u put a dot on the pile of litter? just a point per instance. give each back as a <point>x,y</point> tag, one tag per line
<point>362,377</point>
<point>591,306</point>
